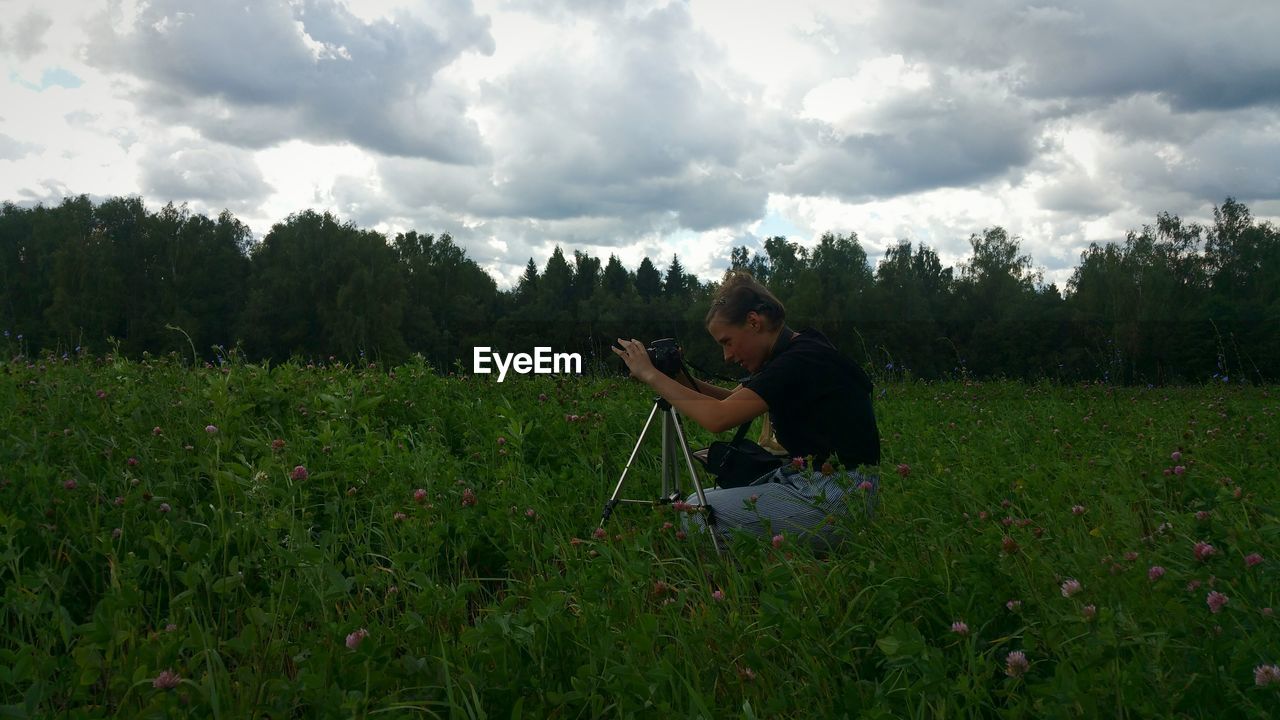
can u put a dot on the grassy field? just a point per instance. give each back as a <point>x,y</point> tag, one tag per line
<point>332,541</point>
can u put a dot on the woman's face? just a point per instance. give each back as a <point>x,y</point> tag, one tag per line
<point>747,344</point>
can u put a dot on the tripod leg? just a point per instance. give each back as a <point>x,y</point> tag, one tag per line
<point>613,500</point>
<point>707,510</point>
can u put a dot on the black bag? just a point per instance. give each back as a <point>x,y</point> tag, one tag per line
<point>739,461</point>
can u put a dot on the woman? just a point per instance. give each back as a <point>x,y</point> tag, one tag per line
<point>818,403</point>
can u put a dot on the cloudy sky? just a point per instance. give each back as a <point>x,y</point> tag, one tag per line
<point>653,127</point>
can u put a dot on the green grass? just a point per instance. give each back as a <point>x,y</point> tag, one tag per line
<point>250,585</point>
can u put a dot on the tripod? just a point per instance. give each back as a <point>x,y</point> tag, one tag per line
<point>671,434</point>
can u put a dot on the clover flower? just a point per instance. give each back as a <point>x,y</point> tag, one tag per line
<point>166,680</point>
<point>1071,587</point>
<point>959,627</point>
<point>1216,601</point>
<point>355,638</point>
<point>1015,664</point>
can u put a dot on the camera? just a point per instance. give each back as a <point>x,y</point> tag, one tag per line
<point>666,355</point>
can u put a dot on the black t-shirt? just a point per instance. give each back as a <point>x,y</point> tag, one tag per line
<point>819,401</point>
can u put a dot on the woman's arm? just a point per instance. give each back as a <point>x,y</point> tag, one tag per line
<point>713,412</point>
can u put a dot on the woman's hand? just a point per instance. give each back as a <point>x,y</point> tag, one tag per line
<point>636,356</point>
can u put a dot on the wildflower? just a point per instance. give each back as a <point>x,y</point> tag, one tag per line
<point>746,673</point>
<point>600,533</point>
<point>983,515</point>
<point>468,498</point>
<point>70,484</point>
<point>778,540</point>
<point>904,469</point>
<point>1006,521</point>
<point>1203,551</point>
<point>170,627</point>
<point>1015,664</point>
<point>1009,545</point>
<point>1202,515</point>
<point>420,495</point>
<point>501,441</point>
<point>299,473</point>
<point>1155,573</point>
<point>211,429</point>
<point>717,595</point>
<point>166,680</point>
<point>102,394</point>
<point>1014,605</point>
<point>1193,586</point>
<point>118,502</point>
<point>828,468</point>
<point>1005,504</point>
<point>542,397</point>
<point>132,462</point>
<point>1089,612</point>
<point>277,445</point>
<point>156,430</point>
<point>1265,675</point>
<point>531,514</point>
<point>116,533</point>
<point>1252,559</point>
<point>681,535</point>
<point>1179,469</point>
<point>959,627</point>
<point>351,491</point>
<point>355,638</point>
<point>1130,556</point>
<point>1216,600</point>
<point>666,526</point>
<point>399,516</point>
<point>865,486</point>
<point>1077,509</point>
<point>1071,587</point>
<point>797,463</point>
<point>1175,456</point>
<point>164,507</point>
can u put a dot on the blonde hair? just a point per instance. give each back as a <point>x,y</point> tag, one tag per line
<point>740,293</point>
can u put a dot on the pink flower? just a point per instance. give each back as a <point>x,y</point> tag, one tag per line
<point>1130,556</point>
<point>865,486</point>
<point>1009,545</point>
<point>1252,559</point>
<point>681,535</point>
<point>164,507</point>
<point>277,445</point>
<point>156,430</point>
<point>70,485</point>
<point>399,516</point>
<point>904,469</point>
<point>468,498</point>
<point>1193,586</point>
<point>1014,605</point>
<point>718,595</point>
<point>299,473</point>
<point>501,441</point>
<point>983,515</point>
<point>778,540</point>
<point>1216,600</point>
<point>166,680</point>
<point>1179,470</point>
<point>101,394</point>
<point>1265,675</point>
<point>1203,551</point>
<point>1202,515</point>
<point>1077,509</point>
<point>1089,612</point>
<point>542,397</point>
<point>746,673</point>
<point>797,463</point>
<point>132,462</point>
<point>531,513</point>
<point>211,429</point>
<point>1015,664</point>
<point>959,627</point>
<point>420,495</point>
<point>355,638</point>
<point>1175,456</point>
<point>600,533</point>
<point>1071,587</point>
<point>1155,573</point>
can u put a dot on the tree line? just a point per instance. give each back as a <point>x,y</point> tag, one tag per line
<point>1175,302</point>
